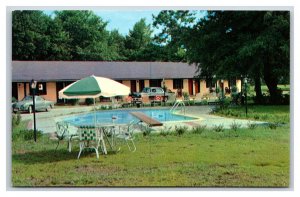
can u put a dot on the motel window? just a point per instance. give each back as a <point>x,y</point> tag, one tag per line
<point>155,82</point>
<point>177,83</point>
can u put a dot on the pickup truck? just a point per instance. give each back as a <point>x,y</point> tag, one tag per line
<point>152,92</point>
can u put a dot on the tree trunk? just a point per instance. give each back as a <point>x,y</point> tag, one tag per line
<point>259,97</point>
<point>271,82</point>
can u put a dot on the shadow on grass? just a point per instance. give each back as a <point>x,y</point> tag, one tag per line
<point>45,156</point>
<point>49,156</point>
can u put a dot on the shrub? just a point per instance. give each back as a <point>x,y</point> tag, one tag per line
<point>13,100</point>
<point>218,128</point>
<point>180,130</point>
<point>73,101</point>
<point>199,129</point>
<point>146,131</point>
<point>272,125</point>
<point>235,126</point>
<point>89,101</point>
<point>204,102</point>
<point>29,134</point>
<point>251,125</point>
<point>16,119</point>
<point>165,131</point>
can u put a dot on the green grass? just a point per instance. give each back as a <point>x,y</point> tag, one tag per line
<point>268,113</point>
<point>241,158</point>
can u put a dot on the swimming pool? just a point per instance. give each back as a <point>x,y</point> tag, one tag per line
<point>123,116</point>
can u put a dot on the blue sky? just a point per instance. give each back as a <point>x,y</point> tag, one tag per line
<point>124,20</point>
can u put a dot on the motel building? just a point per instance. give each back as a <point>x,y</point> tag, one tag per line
<point>52,76</point>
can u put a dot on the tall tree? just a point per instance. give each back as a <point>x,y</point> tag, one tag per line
<point>29,35</point>
<point>87,33</point>
<point>138,39</point>
<point>252,43</point>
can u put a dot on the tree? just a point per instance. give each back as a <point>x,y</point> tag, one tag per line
<point>137,40</point>
<point>234,43</point>
<point>29,35</point>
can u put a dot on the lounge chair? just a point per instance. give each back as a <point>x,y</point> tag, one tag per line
<point>88,139</point>
<point>126,133</point>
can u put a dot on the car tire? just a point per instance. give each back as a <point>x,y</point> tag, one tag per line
<point>48,108</point>
<point>30,109</point>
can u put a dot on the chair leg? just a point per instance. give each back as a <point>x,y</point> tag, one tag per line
<point>81,144</point>
<point>57,145</point>
<point>70,145</point>
<point>133,146</point>
<point>97,153</point>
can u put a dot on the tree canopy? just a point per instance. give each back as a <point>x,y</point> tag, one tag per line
<point>226,44</point>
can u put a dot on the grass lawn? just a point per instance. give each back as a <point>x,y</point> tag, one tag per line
<point>233,158</point>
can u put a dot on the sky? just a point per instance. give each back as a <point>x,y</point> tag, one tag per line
<point>124,20</point>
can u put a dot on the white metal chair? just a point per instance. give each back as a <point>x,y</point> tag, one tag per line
<point>126,133</point>
<point>63,133</point>
<point>88,139</point>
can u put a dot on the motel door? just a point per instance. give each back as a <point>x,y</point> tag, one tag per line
<point>197,86</point>
<point>133,85</point>
<point>141,85</point>
<point>191,92</point>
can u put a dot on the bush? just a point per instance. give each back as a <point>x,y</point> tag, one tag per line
<point>16,119</point>
<point>73,101</point>
<point>13,100</point>
<point>89,101</point>
<point>180,130</point>
<point>199,129</point>
<point>204,102</point>
<point>218,128</point>
<point>29,134</point>
<point>251,125</point>
<point>146,131</point>
<point>26,134</point>
<point>272,125</point>
<point>165,131</point>
<point>235,126</point>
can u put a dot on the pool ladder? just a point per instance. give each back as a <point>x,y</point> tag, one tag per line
<point>178,104</point>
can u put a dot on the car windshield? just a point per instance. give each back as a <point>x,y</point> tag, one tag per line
<point>27,98</point>
<point>145,90</point>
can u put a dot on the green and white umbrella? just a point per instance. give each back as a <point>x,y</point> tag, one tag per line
<point>93,87</point>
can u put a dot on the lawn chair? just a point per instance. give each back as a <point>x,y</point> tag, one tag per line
<point>126,133</point>
<point>63,133</point>
<point>88,139</point>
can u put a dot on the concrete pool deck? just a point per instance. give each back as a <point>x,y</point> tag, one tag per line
<point>45,121</point>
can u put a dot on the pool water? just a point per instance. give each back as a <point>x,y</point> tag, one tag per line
<point>123,117</point>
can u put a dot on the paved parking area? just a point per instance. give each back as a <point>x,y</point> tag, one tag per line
<point>45,121</point>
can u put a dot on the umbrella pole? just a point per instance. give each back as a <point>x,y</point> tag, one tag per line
<point>94,113</point>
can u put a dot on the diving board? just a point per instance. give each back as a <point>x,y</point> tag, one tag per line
<point>146,119</point>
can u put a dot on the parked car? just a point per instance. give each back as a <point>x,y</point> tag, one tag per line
<point>26,104</point>
<point>152,92</point>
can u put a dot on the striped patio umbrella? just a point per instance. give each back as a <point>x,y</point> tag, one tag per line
<point>93,87</point>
